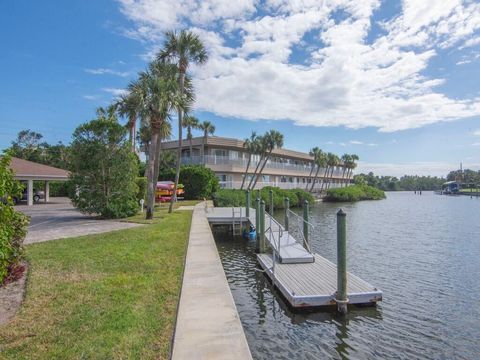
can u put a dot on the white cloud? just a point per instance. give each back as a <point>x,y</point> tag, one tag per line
<point>476,144</point>
<point>342,77</point>
<point>115,92</point>
<point>356,142</point>
<point>91,97</point>
<point>476,132</point>
<point>103,71</point>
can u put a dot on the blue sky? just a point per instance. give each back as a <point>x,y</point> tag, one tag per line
<point>395,82</point>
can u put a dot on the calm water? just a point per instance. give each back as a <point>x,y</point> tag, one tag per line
<point>423,252</point>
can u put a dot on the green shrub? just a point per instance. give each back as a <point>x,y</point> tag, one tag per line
<point>354,193</point>
<point>103,170</point>
<point>199,181</point>
<point>235,197</point>
<point>13,224</point>
<point>142,188</point>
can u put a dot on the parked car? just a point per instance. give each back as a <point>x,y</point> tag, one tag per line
<point>37,195</point>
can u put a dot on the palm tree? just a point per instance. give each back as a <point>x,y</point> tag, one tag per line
<point>181,48</point>
<point>250,145</point>
<point>274,139</point>
<point>352,166</point>
<point>345,160</point>
<point>128,105</point>
<point>329,159</point>
<point>312,154</point>
<point>208,129</point>
<point>316,153</point>
<point>190,122</point>
<point>334,161</point>
<point>157,89</point>
<point>260,150</point>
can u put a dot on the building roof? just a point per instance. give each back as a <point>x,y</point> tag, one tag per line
<point>32,170</point>
<point>234,144</point>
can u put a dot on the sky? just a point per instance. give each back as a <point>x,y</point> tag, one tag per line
<point>395,82</point>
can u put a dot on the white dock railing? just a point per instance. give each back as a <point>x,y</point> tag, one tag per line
<point>300,226</point>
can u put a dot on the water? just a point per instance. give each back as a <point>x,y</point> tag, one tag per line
<point>423,252</point>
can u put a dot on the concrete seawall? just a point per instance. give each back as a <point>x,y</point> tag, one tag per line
<point>208,325</point>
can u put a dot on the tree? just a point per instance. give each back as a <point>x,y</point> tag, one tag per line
<point>129,106</point>
<point>312,167</point>
<point>317,161</point>
<point>190,122</point>
<point>13,224</point>
<point>251,146</point>
<point>26,145</point>
<point>158,90</point>
<point>208,129</point>
<point>108,113</point>
<point>261,150</point>
<point>351,166</point>
<point>181,48</point>
<point>103,170</point>
<point>274,139</point>
<point>345,160</point>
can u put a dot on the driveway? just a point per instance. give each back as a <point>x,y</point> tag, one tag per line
<point>59,219</point>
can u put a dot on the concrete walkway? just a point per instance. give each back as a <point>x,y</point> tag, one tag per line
<point>208,325</point>
<point>59,219</point>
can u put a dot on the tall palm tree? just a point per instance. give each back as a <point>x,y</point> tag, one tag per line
<point>208,129</point>
<point>329,159</point>
<point>190,122</point>
<point>274,140</point>
<point>345,161</point>
<point>250,145</point>
<point>181,48</point>
<point>352,166</point>
<point>312,154</point>
<point>334,162</point>
<point>158,90</point>
<point>260,150</point>
<point>316,153</point>
<point>128,105</point>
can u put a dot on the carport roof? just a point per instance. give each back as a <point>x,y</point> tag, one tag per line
<point>25,170</point>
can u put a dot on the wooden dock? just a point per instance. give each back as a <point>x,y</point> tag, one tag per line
<point>305,279</point>
<point>315,284</point>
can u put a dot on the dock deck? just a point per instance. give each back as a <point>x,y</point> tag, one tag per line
<point>305,279</point>
<point>314,284</point>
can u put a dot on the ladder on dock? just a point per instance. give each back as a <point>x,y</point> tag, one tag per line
<point>236,221</point>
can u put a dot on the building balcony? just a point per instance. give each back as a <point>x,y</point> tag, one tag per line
<point>281,185</point>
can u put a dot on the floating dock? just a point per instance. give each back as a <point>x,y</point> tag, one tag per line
<point>304,278</point>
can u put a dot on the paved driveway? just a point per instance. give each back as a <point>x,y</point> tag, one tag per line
<point>59,219</point>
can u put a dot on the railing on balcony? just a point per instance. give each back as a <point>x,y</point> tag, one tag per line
<point>240,162</point>
<point>281,185</point>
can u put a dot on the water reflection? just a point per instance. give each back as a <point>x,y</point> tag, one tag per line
<point>421,251</point>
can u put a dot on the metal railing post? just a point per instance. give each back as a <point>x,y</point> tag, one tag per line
<point>247,204</point>
<point>287,207</point>
<point>305,224</point>
<point>257,225</point>
<point>341,296</point>
<point>270,206</point>
<point>262,227</point>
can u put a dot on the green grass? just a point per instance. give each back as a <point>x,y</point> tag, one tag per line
<point>105,296</point>
<point>354,193</point>
<point>160,212</point>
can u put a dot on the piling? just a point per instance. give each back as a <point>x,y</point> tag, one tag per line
<point>257,224</point>
<point>341,296</point>
<point>247,203</point>
<point>261,230</point>
<point>305,224</point>
<point>270,206</point>
<point>287,207</point>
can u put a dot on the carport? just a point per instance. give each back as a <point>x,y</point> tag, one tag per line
<point>30,171</point>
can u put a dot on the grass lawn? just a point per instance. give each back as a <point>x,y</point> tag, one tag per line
<point>161,211</point>
<point>105,296</point>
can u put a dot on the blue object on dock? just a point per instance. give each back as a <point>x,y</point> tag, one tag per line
<point>249,234</point>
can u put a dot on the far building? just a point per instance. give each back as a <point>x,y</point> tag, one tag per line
<point>286,169</point>
<point>29,171</point>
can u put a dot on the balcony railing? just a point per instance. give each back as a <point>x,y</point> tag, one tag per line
<point>281,185</point>
<point>242,163</point>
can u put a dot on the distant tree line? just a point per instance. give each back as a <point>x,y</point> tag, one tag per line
<point>405,183</point>
<point>466,176</point>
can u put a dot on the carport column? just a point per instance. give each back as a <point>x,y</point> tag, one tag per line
<point>30,192</point>
<point>47,191</point>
